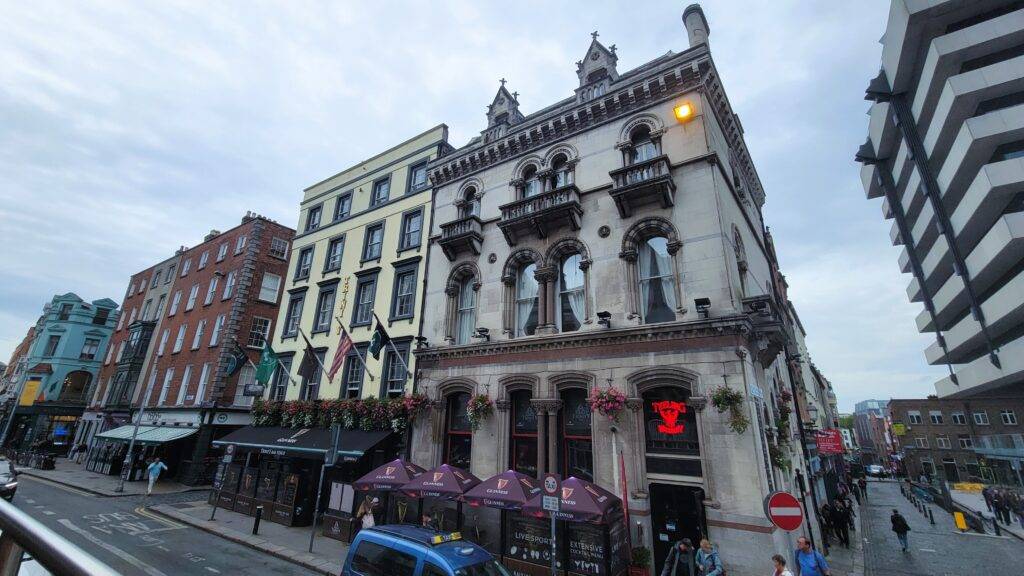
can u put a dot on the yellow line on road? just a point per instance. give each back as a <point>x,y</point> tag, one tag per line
<point>64,487</point>
<point>171,523</point>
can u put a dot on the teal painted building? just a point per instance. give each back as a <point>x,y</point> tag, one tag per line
<point>71,340</point>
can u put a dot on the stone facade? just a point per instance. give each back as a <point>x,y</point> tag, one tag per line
<point>615,239</point>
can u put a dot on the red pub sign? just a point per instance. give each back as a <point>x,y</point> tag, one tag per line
<point>830,441</point>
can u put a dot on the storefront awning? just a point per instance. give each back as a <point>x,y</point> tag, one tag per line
<point>302,442</point>
<point>147,434</point>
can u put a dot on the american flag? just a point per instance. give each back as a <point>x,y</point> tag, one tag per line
<point>339,355</point>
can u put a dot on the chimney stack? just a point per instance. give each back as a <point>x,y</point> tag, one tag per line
<point>213,234</point>
<point>697,28</point>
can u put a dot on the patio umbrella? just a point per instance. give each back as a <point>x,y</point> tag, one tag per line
<point>581,501</point>
<point>509,490</point>
<point>389,477</point>
<point>442,482</point>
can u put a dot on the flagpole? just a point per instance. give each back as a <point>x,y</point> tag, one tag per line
<point>323,369</point>
<point>395,349</point>
<point>356,350</point>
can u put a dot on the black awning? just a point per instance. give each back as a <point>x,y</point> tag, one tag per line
<point>302,442</point>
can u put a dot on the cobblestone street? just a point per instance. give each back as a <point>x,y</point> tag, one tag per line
<point>938,550</point>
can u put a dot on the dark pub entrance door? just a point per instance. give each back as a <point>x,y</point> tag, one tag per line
<point>677,512</point>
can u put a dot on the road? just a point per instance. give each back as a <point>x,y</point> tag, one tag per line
<point>938,550</point>
<point>135,542</point>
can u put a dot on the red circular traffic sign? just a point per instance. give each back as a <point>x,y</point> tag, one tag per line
<point>784,510</point>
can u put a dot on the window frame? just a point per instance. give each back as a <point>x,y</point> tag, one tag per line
<point>403,233</point>
<point>566,437</point>
<point>306,385</point>
<point>404,346</point>
<point>300,265</point>
<point>211,291</point>
<point>265,334</point>
<point>983,421</point>
<point>204,259</point>
<point>560,290</point>
<point>914,417</point>
<point>293,316</point>
<point>364,257</point>
<point>282,378</point>
<point>958,418</point>
<point>352,362</point>
<point>520,273</point>
<point>338,240</point>
<point>935,417</point>
<point>218,325</point>
<point>222,251</point>
<point>343,199</point>
<point>229,285</point>
<point>410,186</point>
<point>277,290</point>
<point>193,295</point>
<point>1008,417</point>
<point>328,290</point>
<point>516,436</point>
<point>453,433</point>
<point>278,252</point>
<point>95,347</point>
<point>362,280</point>
<point>403,270</point>
<point>378,184</point>
<point>317,211</point>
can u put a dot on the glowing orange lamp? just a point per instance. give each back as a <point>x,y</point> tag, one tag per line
<point>683,111</point>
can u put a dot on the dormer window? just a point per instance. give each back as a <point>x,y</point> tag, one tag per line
<point>531,183</point>
<point>644,147</point>
<point>561,172</point>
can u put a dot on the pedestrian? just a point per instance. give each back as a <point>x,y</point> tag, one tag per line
<point>986,493</point>
<point>708,561</point>
<point>680,560</point>
<point>863,483</point>
<point>841,523</point>
<point>808,561</point>
<point>900,527</point>
<point>365,512</point>
<point>999,506</point>
<point>154,470</point>
<point>825,518</point>
<point>780,566</point>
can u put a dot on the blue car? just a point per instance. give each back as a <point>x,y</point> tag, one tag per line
<point>407,550</point>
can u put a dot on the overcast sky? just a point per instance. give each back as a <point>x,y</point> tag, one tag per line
<point>129,129</point>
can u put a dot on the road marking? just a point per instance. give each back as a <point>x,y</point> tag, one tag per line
<point>156,517</point>
<point>214,570</point>
<point>927,550</point>
<point>29,501</point>
<point>151,571</point>
<point>164,549</point>
<point>48,513</point>
<point>57,485</point>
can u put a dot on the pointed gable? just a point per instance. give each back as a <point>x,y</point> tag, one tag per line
<point>502,112</point>
<point>597,64</point>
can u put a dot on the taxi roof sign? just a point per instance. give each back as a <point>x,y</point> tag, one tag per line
<point>442,538</point>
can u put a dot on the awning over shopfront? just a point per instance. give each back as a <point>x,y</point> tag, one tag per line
<point>147,434</point>
<point>302,442</point>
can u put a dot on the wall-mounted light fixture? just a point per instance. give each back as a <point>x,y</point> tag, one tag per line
<point>703,306</point>
<point>604,319</point>
<point>683,111</point>
<point>483,334</point>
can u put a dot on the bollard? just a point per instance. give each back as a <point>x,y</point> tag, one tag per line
<point>256,520</point>
<point>931,517</point>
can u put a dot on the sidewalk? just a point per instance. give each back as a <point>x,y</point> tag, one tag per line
<point>286,543</point>
<point>849,561</point>
<point>975,501</point>
<point>68,473</point>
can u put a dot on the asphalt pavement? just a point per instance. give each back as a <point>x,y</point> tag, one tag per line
<point>935,550</point>
<point>133,541</point>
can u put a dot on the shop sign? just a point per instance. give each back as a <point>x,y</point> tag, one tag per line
<point>830,441</point>
<point>272,452</point>
<point>30,391</point>
<point>899,429</point>
<point>669,411</point>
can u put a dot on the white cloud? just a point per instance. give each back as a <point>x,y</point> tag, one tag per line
<point>131,128</point>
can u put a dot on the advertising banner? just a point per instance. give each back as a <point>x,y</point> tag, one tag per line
<point>830,441</point>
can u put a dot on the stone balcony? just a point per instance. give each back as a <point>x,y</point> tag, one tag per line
<point>643,183</point>
<point>462,234</point>
<point>541,213</point>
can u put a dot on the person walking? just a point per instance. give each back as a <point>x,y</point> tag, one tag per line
<point>986,493</point>
<point>780,566</point>
<point>900,527</point>
<point>808,561</point>
<point>841,523</point>
<point>708,561</point>
<point>825,519</point>
<point>680,560</point>
<point>863,484</point>
<point>153,471</point>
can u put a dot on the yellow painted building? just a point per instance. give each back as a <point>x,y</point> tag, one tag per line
<point>360,250</point>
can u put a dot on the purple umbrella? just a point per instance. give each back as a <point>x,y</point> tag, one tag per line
<point>581,501</point>
<point>389,477</point>
<point>442,482</point>
<point>509,490</point>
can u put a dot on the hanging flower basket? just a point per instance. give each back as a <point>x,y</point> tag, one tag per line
<point>369,414</point>
<point>778,456</point>
<point>609,403</point>
<point>725,399</point>
<point>478,408</point>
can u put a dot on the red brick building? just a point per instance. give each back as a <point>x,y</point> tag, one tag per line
<point>174,357</point>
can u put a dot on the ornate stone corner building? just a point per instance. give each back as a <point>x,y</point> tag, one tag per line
<point>614,238</point>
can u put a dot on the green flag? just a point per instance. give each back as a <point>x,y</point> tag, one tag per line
<point>267,365</point>
<point>380,339</point>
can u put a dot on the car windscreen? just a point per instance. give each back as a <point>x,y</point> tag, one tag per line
<point>488,568</point>
<point>6,469</point>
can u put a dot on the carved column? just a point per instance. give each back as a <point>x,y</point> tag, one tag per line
<point>629,263</point>
<point>545,294</point>
<point>673,251</point>
<point>635,456</point>
<point>539,408</point>
<point>588,309</point>
<point>451,309</point>
<point>508,313</point>
<point>501,444</point>
<point>553,435</point>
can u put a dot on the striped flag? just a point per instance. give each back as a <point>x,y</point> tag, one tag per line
<point>339,355</point>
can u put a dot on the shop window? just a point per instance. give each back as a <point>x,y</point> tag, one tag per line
<point>577,452</point>
<point>524,434</point>
<point>670,425</point>
<point>459,436</point>
<point>526,300</point>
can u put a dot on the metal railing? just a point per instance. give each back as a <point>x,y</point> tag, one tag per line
<point>20,534</point>
<point>640,172</point>
<point>467,225</point>
<point>556,198</point>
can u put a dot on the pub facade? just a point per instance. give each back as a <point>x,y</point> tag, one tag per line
<point>604,302</point>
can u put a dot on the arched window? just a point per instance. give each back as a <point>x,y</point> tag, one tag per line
<point>644,147</point>
<point>458,434</point>
<point>470,203</point>
<point>657,281</point>
<point>523,432</point>
<point>576,448</point>
<point>526,300</point>
<point>741,259</point>
<point>531,183</point>
<point>465,313</point>
<point>561,172</point>
<point>571,304</point>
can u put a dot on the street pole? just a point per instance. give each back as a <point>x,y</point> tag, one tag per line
<point>135,432</point>
<point>806,452</point>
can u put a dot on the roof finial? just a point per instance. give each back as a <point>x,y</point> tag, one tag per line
<point>502,82</point>
<point>612,48</point>
<point>516,96</point>
<point>594,34</point>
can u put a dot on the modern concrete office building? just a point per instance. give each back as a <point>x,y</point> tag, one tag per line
<point>945,151</point>
<point>614,239</point>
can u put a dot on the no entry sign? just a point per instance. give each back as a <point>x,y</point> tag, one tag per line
<point>783,509</point>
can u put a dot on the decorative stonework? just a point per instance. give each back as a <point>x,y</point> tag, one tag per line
<point>634,404</point>
<point>698,403</point>
<point>503,405</point>
<point>604,231</point>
